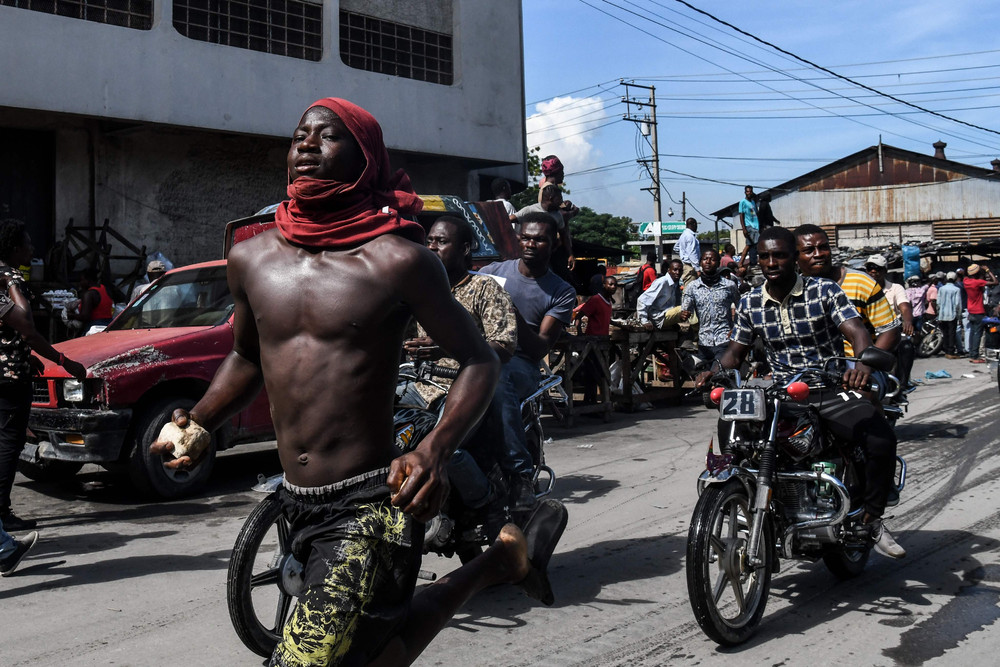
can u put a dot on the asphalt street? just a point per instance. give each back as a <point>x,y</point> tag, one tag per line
<point>116,582</point>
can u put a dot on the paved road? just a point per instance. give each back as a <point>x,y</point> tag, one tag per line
<point>114,582</point>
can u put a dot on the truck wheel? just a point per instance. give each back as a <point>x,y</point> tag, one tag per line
<point>48,470</point>
<point>147,472</point>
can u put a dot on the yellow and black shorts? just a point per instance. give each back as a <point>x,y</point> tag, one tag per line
<point>361,558</point>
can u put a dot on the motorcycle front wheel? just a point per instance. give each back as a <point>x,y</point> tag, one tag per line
<point>727,594</point>
<point>262,579</point>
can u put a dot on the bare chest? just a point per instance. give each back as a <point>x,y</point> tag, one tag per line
<point>324,295</point>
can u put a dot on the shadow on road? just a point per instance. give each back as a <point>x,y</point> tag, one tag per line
<point>914,431</point>
<point>578,489</point>
<point>895,593</point>
<point>59,575</point>
<point>578,578</point>
<point>100,495</point>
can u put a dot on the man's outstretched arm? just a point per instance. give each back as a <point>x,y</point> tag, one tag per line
<point>239,378</point>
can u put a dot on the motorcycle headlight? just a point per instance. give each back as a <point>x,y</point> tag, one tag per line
<point>73,390</point>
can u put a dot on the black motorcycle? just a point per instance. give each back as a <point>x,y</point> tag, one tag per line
<point>264,577</point>
<point>782,489</point>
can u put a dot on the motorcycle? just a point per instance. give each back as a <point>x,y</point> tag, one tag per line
<point>931,338</point>
<point>781,489</point>
<point>264,577</point>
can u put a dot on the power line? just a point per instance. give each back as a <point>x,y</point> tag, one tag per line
<point>761,64</point>
<point>835,74</point>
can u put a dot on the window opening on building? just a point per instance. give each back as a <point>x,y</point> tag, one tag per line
<point>284,27</point>
<point>136,14</point>
<point>377,45</point>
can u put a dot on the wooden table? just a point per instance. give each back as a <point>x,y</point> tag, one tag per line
<point>573,352</point>
<point>634,348</point>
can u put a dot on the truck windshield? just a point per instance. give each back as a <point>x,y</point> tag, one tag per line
<point>192,298</point>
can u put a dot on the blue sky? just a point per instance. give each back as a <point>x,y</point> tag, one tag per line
<point>730,109</point>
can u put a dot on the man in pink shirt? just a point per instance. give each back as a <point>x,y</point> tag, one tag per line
<point>976,281</point>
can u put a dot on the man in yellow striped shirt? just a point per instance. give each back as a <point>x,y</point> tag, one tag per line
<point>864,293</point>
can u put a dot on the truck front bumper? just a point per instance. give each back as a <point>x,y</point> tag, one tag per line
<point>78,435</point>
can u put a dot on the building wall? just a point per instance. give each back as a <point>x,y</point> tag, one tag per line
<point>159,76</point>
<point>170,137</point>
<point>969,198</point>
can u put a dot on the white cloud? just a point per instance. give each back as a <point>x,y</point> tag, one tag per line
<point>563,126</point>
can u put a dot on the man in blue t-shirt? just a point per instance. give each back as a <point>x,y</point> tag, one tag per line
<point>544,304</point>
<point>749,222</point>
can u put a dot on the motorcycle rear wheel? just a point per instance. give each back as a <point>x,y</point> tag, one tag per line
<point>727,595</point>
<point>846,562</point>
<point>258,602</point>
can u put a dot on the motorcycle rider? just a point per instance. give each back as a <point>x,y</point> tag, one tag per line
<point>803,321</point>
<point>493,312</point>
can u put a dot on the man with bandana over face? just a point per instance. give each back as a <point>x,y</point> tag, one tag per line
<point>321,304</point>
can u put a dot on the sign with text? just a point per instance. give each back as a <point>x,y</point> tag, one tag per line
<point>667,227</point>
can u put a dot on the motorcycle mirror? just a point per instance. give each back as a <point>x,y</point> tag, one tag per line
<point>877,358</point>
<point>716,395</point>
<point>797,391</point>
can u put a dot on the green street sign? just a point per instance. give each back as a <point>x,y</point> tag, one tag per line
<point>666,227</point>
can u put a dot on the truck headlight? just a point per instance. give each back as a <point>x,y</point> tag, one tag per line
<point>73,390</point>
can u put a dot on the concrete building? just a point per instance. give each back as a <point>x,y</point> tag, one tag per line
<point>883,195</point>
<point>170,117</point>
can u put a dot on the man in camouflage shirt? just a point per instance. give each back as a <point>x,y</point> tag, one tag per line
<point>493,312</point>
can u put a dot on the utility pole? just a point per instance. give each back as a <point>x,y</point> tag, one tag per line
<point>647,126</point>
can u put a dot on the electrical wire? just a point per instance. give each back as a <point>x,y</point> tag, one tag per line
<point>744,57</point>
<point>835,74</point>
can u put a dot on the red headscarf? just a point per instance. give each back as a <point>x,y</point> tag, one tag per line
<point>329,214</point>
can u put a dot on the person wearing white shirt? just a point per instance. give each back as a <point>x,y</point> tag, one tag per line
<point>660,305</point>
<point>689,250</point>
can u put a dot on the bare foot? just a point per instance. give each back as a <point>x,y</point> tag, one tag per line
<point>512,551</point>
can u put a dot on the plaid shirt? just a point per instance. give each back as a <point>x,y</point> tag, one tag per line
<point>801,331</point>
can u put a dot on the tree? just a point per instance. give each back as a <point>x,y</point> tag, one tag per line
<point>602,228</point>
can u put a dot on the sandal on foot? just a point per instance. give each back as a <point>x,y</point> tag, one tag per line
<point>542,533</point>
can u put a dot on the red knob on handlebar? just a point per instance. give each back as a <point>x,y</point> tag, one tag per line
<point>716,395</point>
<point>798,391</point>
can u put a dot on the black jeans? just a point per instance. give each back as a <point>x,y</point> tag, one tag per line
<point>904,361</point>
<point>15,405</point>
<point>853,419</point>
<point>975,334</point>
<point>948,328</point>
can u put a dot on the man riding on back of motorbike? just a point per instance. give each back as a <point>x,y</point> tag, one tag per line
<point>493,312</point>
<point>803,321</point>
<point>815,260</point>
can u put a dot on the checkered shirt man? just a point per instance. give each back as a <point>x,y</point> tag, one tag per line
<point>799,332</point>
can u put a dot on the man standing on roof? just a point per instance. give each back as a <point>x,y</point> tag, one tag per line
<point>749,223</point>
<point>321,304</point>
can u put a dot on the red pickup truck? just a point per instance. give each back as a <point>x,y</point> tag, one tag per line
<point>161,354</point>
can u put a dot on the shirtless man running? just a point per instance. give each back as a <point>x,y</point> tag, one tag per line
<point>321,304</point>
